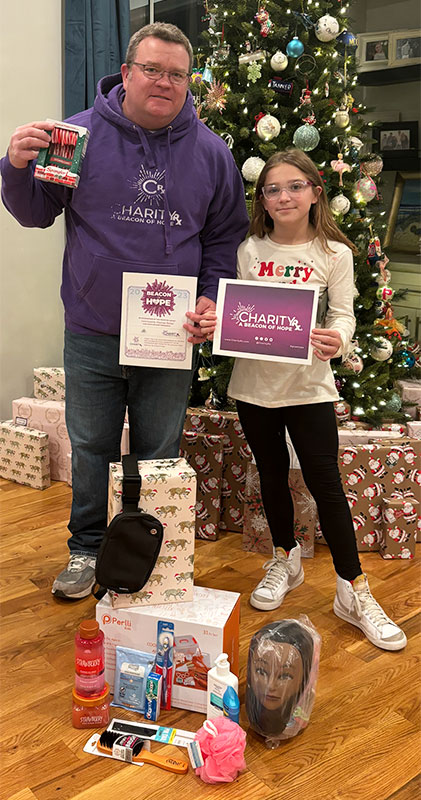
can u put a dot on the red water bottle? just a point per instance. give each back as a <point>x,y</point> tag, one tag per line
<point>89,659</point>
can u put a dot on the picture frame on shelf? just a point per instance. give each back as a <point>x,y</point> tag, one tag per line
<point>397,143</point>
<point>403,233</point>
<point>405,48</point>
<point>373,51</point>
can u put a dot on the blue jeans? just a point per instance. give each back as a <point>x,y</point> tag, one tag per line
<point>98,389</point>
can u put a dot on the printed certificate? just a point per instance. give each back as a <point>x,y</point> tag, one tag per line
<point>265,321</point>
<point>153,311</point>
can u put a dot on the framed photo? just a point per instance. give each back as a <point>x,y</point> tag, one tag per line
<point>397,143</point>
<point>404,229</point>
<point>373,52</point>
<point>405,48</point>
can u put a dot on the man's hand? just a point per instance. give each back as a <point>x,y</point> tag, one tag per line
<point>326,342</point>
<point>27,141</point>
<point>203,321</point>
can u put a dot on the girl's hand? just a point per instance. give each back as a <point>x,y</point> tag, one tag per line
<point>201,322</point>
<point>326,342</point>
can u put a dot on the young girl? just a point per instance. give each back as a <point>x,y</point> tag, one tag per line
<point>292,228</point>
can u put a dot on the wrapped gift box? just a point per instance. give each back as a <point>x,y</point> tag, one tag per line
<point>411,393</point>
<point>24,456</point>
<point>359,436</point>
<point>237,454</point>
<point>204,453</point>
<point>211,621</point>
<point>256,534</point>
<point>49,383</point>
<point>414,429</point>
<point>372,471</point>
<point>169,493</point>
<point>399,529</point>
<point>47,416</point>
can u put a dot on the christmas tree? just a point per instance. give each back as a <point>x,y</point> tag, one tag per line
<point>272,75</point>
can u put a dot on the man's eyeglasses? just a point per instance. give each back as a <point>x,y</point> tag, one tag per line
<point>178,77</point>
<point>272,191</point>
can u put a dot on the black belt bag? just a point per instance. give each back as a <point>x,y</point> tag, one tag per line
<point>131,543</point>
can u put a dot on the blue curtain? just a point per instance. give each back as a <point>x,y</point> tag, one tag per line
<point>97,33</point>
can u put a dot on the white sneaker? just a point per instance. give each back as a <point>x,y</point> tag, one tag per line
<point>282,574</point>
<point>355,604</point>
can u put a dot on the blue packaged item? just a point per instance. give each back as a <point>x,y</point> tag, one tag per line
<point>231,704</point>
<point>153,696</point>
<point>132,668</point>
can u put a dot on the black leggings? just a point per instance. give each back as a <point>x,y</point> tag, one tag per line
<point>313,432</point>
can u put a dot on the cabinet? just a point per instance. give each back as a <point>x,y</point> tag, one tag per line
<point>407,309</point>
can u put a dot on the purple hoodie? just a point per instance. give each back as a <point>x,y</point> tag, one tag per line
<point>168,202</point>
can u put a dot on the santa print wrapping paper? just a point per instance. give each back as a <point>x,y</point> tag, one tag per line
<point>372,471</point>
<point>237,454</point>
<point>399,530</point>
<point>49,383</point>
<point>24,456</point>
<point>204,453</point>
<point>47,416</point>
<point>256,533</point>
<point>169,493</point>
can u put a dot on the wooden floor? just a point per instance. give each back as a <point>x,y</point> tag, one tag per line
<point>363,740</point>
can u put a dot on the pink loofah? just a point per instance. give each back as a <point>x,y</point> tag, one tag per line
<point>222,743</point>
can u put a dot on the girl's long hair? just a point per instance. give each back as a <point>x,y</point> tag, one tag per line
<point>320,215</point>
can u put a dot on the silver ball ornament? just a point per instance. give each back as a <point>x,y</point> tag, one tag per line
<point>326,28</point>
<point>252,168</point>
<point>340,204</point>
<point>373,167</point>
<point>306,137</point>
<point>366,188</point>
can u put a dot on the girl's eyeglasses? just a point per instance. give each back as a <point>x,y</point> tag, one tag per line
<point>273,191</point>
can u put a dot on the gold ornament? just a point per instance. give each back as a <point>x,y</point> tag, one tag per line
<point>216,98</point>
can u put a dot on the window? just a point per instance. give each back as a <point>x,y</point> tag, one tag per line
<point>186,14</point>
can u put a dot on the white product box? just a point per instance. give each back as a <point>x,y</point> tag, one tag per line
<point>210,622</point>
<point>169,493</point>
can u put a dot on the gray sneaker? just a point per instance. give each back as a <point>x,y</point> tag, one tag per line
<point>77,579</point>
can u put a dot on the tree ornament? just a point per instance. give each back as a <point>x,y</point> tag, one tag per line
<point>340,166</point>
<point>305,99</point>
<point>381,279</point>
<point>374,251</point>
<point>279,61</point>
<point>251,55</point>
<point>342,410</point>
<point>216,99</point>
<point>306,137</point>
<point>326,28</point>
<point>340,204</point>
<point>268,127</point>
<point>379,308</point>
<point>339,382</point>
<point>265,22</point>
<point>295,47</point>
<point>252,168</point>
<point>341,117</point>
<point>385,293</point>
<point>381,349</point>
<point>207,73</point>
<point>347,39</point>
<point>365,188</point>
<point>393,402</point>
<point>407,358</point>
<point>281,86</point>
<point>305,65</point>
<point>228,139</point>
<point>354,363</point>
<point>356,143</point>
<point>197,77</point>
<point>254,71</point>
<point>372,167</point>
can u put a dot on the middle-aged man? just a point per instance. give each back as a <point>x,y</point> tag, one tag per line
<point>158,193</point>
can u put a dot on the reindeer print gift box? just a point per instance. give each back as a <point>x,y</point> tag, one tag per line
<point>169,493</point>
<point>373,471</point>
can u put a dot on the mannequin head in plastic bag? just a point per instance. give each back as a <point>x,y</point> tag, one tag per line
<point>280,661</point>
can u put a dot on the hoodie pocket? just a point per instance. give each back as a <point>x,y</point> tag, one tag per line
<point>102,289</point>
